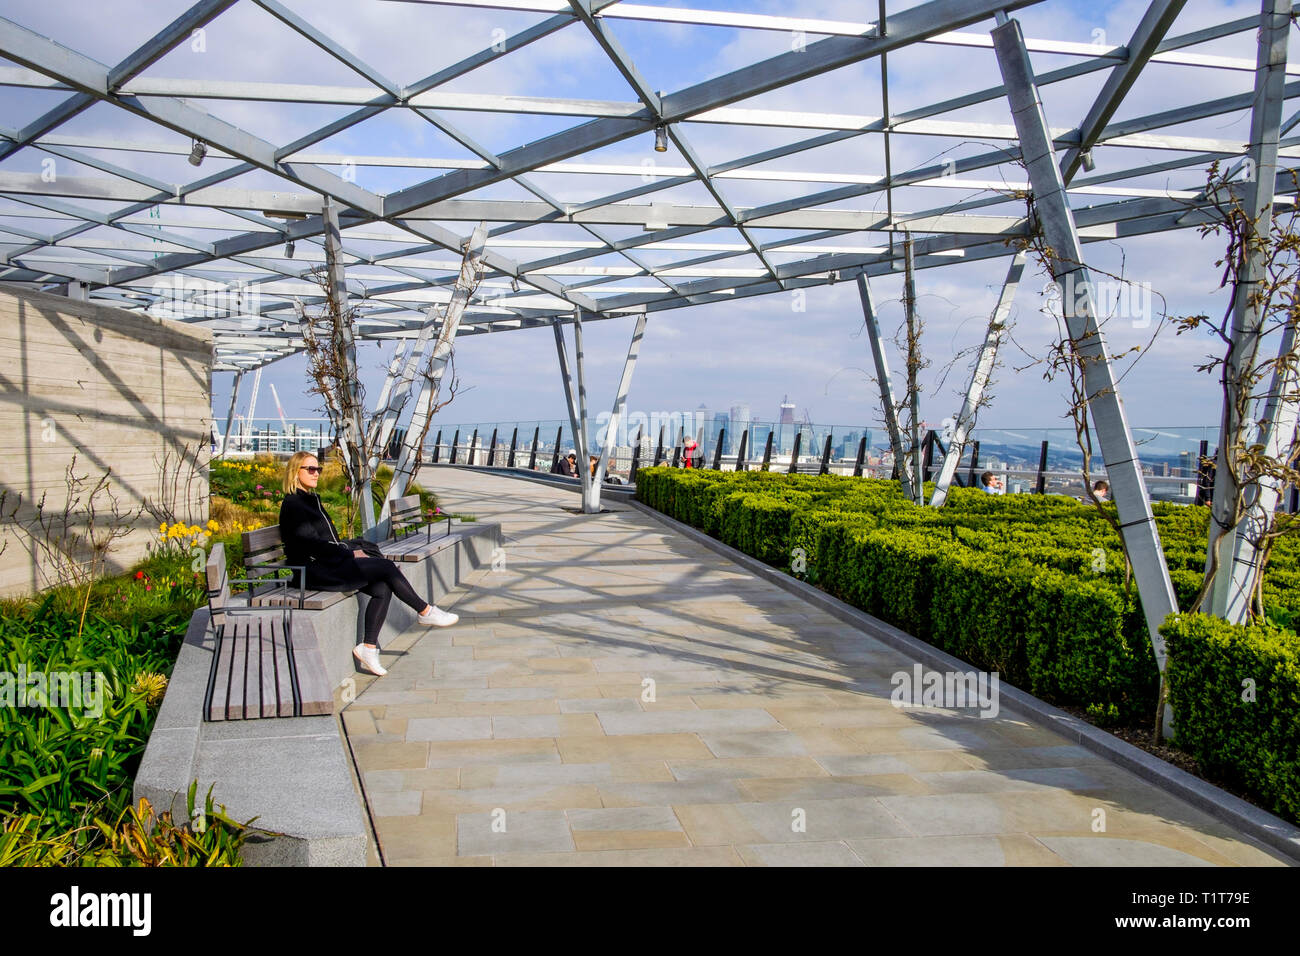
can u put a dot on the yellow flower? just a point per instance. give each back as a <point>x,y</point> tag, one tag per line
<point>213,526</point>
<point>162,528</point>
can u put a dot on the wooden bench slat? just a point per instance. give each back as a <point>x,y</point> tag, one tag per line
<point>238,708</point>
<point>315,695</point>
<point>221,682</point>
<point>417,548</point>
<point>283,679</point>
<point>266,663</point>
<point>261,538</point>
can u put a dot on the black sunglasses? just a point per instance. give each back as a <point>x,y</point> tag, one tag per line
<point>314,469</point>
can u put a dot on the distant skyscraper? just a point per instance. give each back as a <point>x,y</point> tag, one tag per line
<point>739,422</point>
<point>785,426</point>
<point>703,421</point>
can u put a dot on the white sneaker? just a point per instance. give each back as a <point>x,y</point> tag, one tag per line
<point>436,617</point>
<point>368,658</point>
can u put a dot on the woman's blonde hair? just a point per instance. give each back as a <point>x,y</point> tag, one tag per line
<point>291,469</point>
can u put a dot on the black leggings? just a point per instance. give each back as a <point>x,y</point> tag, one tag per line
<point>383,580</point>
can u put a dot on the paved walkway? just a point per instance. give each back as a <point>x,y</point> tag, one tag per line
<point>527,734</point>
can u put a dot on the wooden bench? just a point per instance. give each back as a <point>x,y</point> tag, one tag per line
<point>406,518</point>
<point>264,560</point>
<point>406,515</point>
<point>257,669</point>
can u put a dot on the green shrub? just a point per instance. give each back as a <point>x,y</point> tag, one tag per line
<point>66,766</point>
<point>1214,671</point>
<point>1034,587</point>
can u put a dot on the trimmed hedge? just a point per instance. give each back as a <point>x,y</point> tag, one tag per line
<point>1214,669</point>
<point>1031,586</point>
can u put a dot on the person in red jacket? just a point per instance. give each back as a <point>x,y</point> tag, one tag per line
<point>692,457</point>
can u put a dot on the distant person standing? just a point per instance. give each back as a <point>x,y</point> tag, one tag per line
<point>691,454</point>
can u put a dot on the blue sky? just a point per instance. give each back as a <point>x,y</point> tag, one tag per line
<point>753,350</point>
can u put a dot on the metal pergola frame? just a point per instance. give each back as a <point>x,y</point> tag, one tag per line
<point>121,267</point>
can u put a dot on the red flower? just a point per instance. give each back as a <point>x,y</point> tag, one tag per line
<point>148,587</point>
<point>139,575</point>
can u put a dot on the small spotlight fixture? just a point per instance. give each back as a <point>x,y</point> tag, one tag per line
<point>514,285</point>
<point>288,249</point>
<point>1089,164</point>
<point>661,139</point>
<point>197,152</point>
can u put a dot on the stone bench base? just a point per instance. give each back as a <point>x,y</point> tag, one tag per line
<point>292,773</point>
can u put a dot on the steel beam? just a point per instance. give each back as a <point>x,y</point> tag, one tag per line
<point>1277,436</point>
<point>1230,553</point>
<point>590,504</point>
<point>352,438</point>
<point>1146,38</point>
<point>230,413</point>
<point>1141,537</point>
<point>431,375</point>
<point>571,403</point>
<point>887,404</point>
<point>620,406</point>
<point>979,381</point>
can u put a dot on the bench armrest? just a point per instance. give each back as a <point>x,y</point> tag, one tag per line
<point>277,581</point>
<point>286,612</point>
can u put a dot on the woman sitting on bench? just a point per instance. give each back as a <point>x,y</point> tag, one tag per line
<point>349,564</point>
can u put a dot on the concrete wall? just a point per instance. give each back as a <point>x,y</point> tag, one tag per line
<point>107,392</point>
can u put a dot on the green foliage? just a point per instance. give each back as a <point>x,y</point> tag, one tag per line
<point>1031,586</point>
<point>1235,691</point>
<point>1103,715</point>
<point>134,838</point>
<point>67,762</point>
<point>64,763</point>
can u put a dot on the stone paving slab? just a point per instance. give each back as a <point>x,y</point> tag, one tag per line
<point>619,695</point>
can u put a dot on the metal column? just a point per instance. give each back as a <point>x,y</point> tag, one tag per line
<point>1141,537</point>
<point>247,429</point>
<point>886,388</point>
<point>230,414</point>
<point>431,377</point>
<point>1229,595</point>
<point>1279,426</point>
<point>978,382</point>
<point>352,436</point>
<point>913,386</point>
<point>571,401</point>
<point>620,407</point>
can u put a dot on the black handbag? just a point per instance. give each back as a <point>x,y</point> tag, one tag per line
<point>369,547</point>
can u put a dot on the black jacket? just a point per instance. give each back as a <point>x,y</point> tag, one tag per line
<point>310,540</point>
